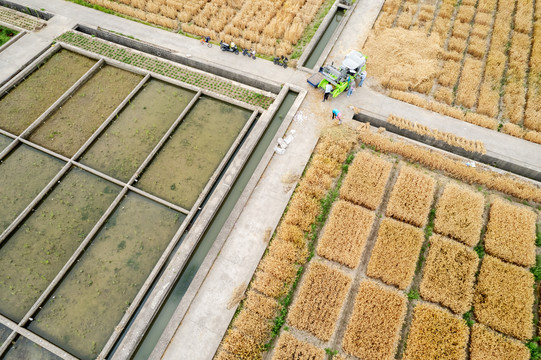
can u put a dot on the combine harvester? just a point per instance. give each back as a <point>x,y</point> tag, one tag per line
<point>352,66</point>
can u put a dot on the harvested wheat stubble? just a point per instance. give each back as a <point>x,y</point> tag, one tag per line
<point>302,211</point>
<point>291,348</point>
<point>261,305</point>
<point>374,327</point>
<point>459,214</point>
<point>320,300</point>
<point>449,274</point>
<point>282,249</point>
<point>511,233</point>
<point>411,197</point>
<point>252,325</point>
<point>366,180</point>
<point>282,269</point>
<point>488,344</point>
<point>345,234</point>
<point>504,298</point>
<point>451,166</point>
<point>268,284</point>
<point>291,233</point>
<point>395,254</point>
<point>436,334</point>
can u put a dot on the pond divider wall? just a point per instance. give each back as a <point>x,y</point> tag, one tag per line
<point>321,31</point>
<point>166,282</point>
<point>25,9</point>
<point>21,33</point>
<point>377,120</point>
<point>166,54</point>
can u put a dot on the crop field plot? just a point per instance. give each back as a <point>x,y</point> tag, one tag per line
<point>479,60</point>
<point>459,214</point>
<point>320,299</point>
<point>395,254</point>
<point>345,235</point>
<point>374,327</point>
<point>366,180</point>
<point>289,347</point>
<point>411,197</point>
<point>269,27</point>
<point>449,274</point>
<point>488,344</point>
<point>504,298</point>
<point>511,232</point>
<point>436,334</point>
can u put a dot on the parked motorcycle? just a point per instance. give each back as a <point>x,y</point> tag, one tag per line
<point>281,61</point>
<point>250,53</point>
<point>226,47</point>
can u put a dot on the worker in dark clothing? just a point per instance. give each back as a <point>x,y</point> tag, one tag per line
<point>328,89</point>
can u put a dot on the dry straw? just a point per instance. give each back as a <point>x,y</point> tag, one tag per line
<point>291,348</point>
<point>488,344</point>
<point>261,305</point>
<point>504,298</point>
<point>365,183</point>
<point>459,214</point>
<point>469,82</point>
<point>320,300</point>
<point>268,284</point>
<point>449,274</point>
<point>452,167</point>
<point>240,345</point>
<point>511,233</point>
<point>281,269</point>
<point>449,138</point>
<point>374,327</point>
<point>411,197</point>
<point>436,334</point>
<point>395,254</point>
<point>345,234</point>
<point>253,326</point>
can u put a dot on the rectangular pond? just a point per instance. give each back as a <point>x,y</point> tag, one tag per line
<point>69,127</point>
<point>40,247</point>
<point>26,349</point>
<point>126,143</point>
<point>182,168</point>
<point>23,174</point>
<point>91,300</point>
<point>28,100</point>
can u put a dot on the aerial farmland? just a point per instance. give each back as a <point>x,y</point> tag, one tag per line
<point>257,179</point>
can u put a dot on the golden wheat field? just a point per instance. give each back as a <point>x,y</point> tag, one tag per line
<point>271,27</point>
<point>393,263</point>
<point>478,60</point>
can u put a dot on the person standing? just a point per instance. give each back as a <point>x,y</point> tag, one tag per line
<point>328,89</point>
<point>363,76</point>
<point>351,89</point>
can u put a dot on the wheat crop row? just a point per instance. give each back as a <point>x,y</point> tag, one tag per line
<point>365,183</point>
<point>449,138</point>
<point>374,327</point>
<point>449,274</point>
<point>504,298</point>
<point>488,344</point>
<point>514,99</point>
<point>436,334</point>
<point>457,169</point>
<point>459,214</point>
<point>291,348</point>
<point>511,233</point>
<point>532,118</point>
<point>469,82</point>
<point>320,299</point>
<point>411,197</point>
<point>345,234</point>
<point>395,253</point>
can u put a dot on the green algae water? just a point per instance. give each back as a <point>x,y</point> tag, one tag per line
<point>28,100</point>
<point>91,300</point>
<point>168,308</point>
<point>69,127</point>
<point>23,174</point>
<point>26,349</point>
<point>130,138</point>
<point>4,142</point>
<point>180,171</point>
<point>35,253</point>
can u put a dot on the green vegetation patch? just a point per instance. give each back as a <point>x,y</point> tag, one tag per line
<point>6,34</point>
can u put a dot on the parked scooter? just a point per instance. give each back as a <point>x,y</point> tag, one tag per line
<point>226,47</point>
<point>250,53</point>
<point>281,61</point>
